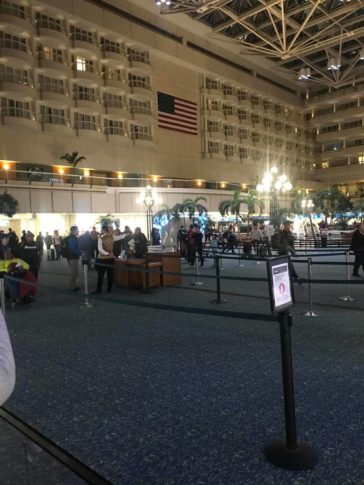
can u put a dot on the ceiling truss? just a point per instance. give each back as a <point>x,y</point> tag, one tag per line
<point>295,34</point>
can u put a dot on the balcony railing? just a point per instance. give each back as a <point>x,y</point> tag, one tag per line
<point>143,110</point>
<point>13,9</point>
<point>17,112</point>
<point>114,103</point>
<point>139,84</point>
<point>10,77</point>
<point>54,120</point>
<point>49,23</point>
<point>136,135</point>
<point>138,58</point>
<point>111,48</point>
<point>81,96</point>
<point>53,88</point>
<point>86,125</point>
<point>114,130</point>
<point>14,44</point>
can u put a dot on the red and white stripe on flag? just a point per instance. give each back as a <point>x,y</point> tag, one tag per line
<point>177,114</point>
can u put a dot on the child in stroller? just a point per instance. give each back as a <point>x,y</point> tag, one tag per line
<point>19,281</point>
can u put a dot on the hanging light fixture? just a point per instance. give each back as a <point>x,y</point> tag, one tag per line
<point>334,63</point>
<point>304,73</point>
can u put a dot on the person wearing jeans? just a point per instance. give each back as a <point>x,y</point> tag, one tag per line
<point>106,258</point>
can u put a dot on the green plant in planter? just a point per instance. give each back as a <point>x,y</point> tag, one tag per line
<point>106,220</point>
<point>8,204</point>
<point>73,159</point>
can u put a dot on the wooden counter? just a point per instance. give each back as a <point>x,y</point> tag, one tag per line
<point>137,279</point>
<point>121,273</point>
<point>171,262</point>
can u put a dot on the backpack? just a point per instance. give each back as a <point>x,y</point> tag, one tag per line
<point>65,248</point>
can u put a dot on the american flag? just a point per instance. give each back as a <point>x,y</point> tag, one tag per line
<point>177,114</point>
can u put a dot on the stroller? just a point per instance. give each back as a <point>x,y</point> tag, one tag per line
<point>21,289</point>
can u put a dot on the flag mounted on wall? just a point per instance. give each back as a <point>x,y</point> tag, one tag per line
<point>177,114</point>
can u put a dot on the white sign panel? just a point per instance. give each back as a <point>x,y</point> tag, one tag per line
<point>281,285</point>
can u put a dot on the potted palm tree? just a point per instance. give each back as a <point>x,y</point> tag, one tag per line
<point>232,206</point>
<point>331,201</point>
<point>72,159</point>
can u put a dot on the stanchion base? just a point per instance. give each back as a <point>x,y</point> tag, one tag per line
<point>86,306</point>
<point>302,458</point>
<point>310,313</point>
<point>218,300</point>
<point>197,283</point>
<point>346,298</point>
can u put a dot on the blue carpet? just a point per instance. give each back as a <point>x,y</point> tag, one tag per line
<point>146,396</point>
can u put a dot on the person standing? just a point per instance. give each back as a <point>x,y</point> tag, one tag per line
<point>94,235</point>
<point>256,237</point>
<point>140,243</point>
<point>197,245</point>
<point>40,244</point>
<point>56,240</point>
<point>324,234</point>
<point>29,252</point>
<point>357,246</point>
<point>72,253</point>
<point>48,243</point>
<point>106,258</point>
<point>86,245</point>
<point>156,237</point>
<point>285,246</point>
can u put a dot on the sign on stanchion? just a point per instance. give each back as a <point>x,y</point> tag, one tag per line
<point>197,282</point>
<point>347,297</point>
<point>286,453</point>
<point>2,292</point>
<point>218,298</point>
<point>86,304</point>
<point>310,312</point>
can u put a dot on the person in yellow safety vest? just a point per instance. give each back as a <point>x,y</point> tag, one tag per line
<point>11,263</point>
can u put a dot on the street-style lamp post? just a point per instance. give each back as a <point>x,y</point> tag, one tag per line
<point>149,197</point>
<point>273,183</point>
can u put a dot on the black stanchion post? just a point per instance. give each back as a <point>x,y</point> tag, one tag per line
<point>146,288</point>
<point>310,312</point>
<point>86,304</point>
<point>288,453</point>
<point>218,298</point>
<point>2,292</point>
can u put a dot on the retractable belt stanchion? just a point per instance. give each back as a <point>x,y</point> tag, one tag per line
<point>86,304</point>
<point>288,453</point>
<point>146,288</point>
<point>218,298</point>
<point>310,312</point>
<point>2,292</point>
<point>241,264</point>
<point>220,262</point>
<point>196,282</point>
<point>347,297</point>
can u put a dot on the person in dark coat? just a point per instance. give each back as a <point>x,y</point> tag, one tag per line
<point>29,252</point>
<point>357,246</point>
<point>140,243</point>
<point>156,237</point>
<point>198,246</point>
<point>40,244</point>
<point>285,246</point>
<point>86,245</point>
